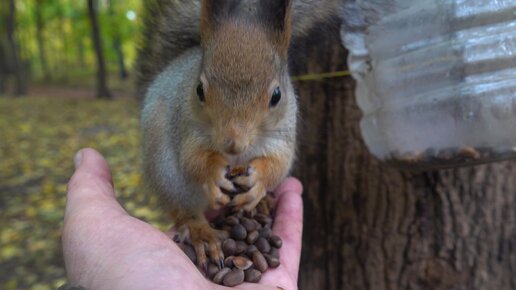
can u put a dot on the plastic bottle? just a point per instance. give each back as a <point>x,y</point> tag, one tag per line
<point>436,79</point>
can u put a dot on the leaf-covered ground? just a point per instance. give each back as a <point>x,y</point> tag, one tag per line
<point>38,138</point>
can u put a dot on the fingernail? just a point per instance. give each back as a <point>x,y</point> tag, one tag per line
<point>77,159</point>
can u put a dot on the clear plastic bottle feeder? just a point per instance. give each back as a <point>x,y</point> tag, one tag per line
<point>436,79</point>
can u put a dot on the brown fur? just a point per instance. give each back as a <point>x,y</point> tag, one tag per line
<point>172,27</point>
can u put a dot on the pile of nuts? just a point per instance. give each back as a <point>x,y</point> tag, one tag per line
<point>250,249</point>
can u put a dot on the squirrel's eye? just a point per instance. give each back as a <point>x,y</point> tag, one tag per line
<point>200,93</point>
<point>276,97</point>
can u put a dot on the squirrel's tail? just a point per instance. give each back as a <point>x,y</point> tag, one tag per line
<point>172,26</point>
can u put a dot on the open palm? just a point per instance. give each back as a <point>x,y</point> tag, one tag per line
<point>106,248</point>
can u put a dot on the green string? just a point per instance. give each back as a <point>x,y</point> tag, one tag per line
<point>315,77</point>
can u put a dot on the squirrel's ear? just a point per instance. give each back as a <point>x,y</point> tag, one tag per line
<point>214,12</point>
<point>276,16</point>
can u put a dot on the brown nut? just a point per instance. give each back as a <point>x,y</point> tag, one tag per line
<point>241,246</point>
<point>212,270</point>
<point>259,261</point>
<point>274,252</point>
<point>263,219</point>
<point>265,232</point>
<point>248,224</point>
<point>252,237</point>
<point>220,275</point>
<point>275,241</point>
<point>257,224</point>
<point>235,172</point>
<point>272,261</point>
<point>189,251</point>
<point>262,245</point>
<point>242,263</point>
<point>238,232</point>
<point>252,275</point>
<point>228,261</point>
<point>231,220</point>
<point>234,278</point>
<point>250,249</point>
<point>250,214</point>
<point>229,247</point>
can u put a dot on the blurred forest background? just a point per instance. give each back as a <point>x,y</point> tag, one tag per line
<point>59,62</point>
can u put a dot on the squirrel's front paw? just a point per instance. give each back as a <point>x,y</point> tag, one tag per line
<point>247,180</point>
<point>214,187</point>
<point>252,197</point>
<point>248,201</point>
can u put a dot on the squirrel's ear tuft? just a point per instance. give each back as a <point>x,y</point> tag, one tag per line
<point>276,16</point>
<point>214,12</point>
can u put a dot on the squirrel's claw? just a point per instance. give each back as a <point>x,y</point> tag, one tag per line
<point>225,185</point>
<point>221,263</point>
<point>216,198</point>
<point>216,253</point>
<point>205,240</point>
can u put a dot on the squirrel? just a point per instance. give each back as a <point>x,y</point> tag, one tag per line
<point>217,94</point>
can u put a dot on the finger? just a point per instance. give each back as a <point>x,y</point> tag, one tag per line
<point>288,223</point>
<point>91,184</point>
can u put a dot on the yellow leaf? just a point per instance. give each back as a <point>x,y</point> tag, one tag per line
<point>30,211</point>
<point>40,287</point>
<point>10,251</point>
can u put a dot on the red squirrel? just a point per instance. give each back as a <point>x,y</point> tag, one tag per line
<point>227,101</point>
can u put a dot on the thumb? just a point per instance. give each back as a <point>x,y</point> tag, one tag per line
<point>288,224</point>
<point>91,184</point>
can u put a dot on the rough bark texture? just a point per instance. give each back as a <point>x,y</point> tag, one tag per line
<point>102,89</point>
<point>368,226</point>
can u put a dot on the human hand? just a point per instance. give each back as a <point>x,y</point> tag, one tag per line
<point>106,248</point>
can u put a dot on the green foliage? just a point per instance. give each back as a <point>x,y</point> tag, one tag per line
<point>67,33</point>
<point>39,139</point>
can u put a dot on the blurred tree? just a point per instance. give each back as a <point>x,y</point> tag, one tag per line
<point>102,89</point>
<point>117,41</point>
<point>11,53</point>
<point>40,27</point>
<point>3,67</point>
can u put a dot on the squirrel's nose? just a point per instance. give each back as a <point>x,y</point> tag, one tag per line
<point>233,147</point>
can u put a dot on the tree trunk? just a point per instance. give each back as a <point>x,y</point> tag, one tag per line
<point>40,27</point>
<point>102,89</point>
<point>369,226</point>
<point>80,53</point>
<point>117,43</point>
<point>3,68</point>
<point>64,62</point>
<point>17,68</point>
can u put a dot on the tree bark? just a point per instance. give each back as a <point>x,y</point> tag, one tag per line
<point>40,28</point>
<point>117,43</point>
<point>369,226</point>
<point>102,89</point>
<point>16,65</point>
